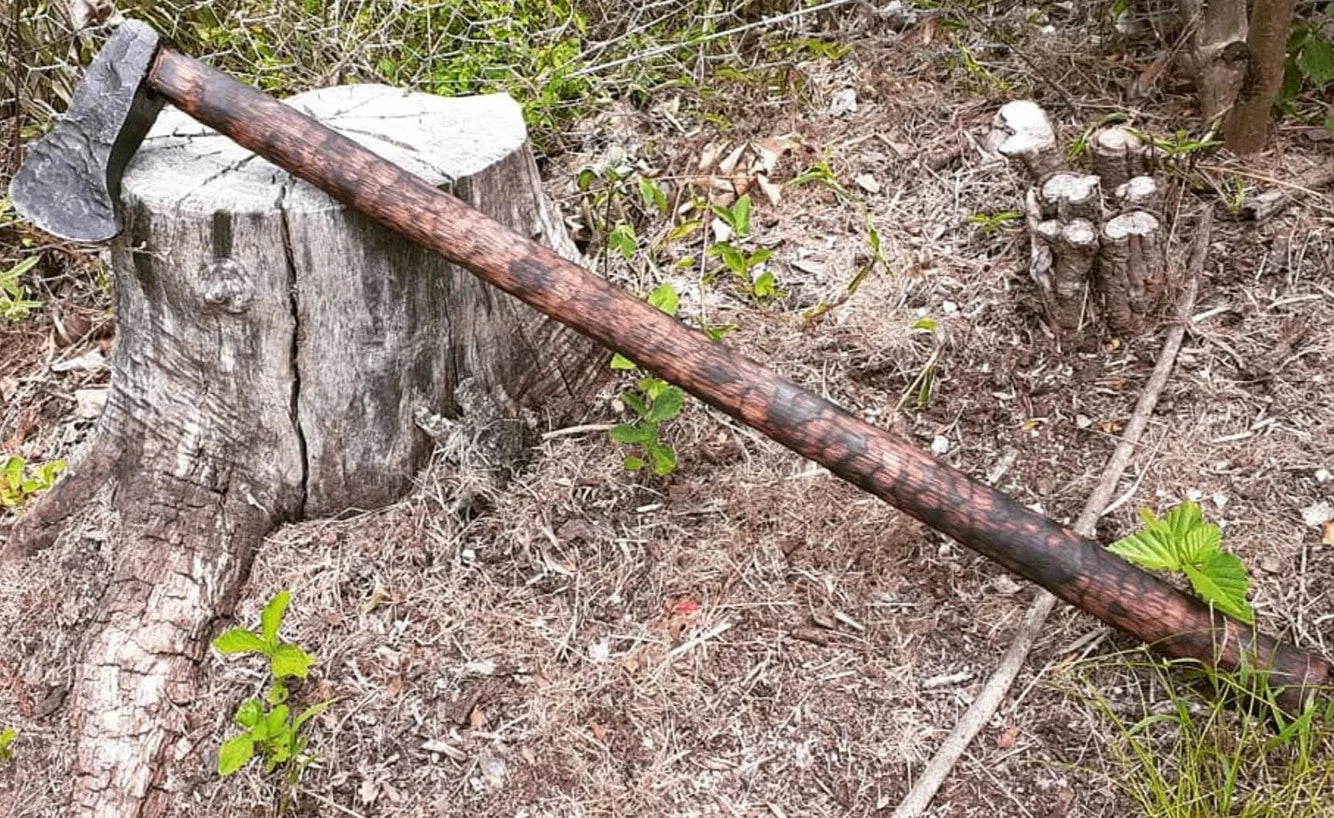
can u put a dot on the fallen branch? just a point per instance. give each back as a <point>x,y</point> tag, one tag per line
<point>984,706</point>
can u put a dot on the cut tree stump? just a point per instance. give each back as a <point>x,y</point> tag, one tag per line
<point>1022,132</point>
<point>1133,271</point>
<point>274,353</point>
<point>1118,155</point>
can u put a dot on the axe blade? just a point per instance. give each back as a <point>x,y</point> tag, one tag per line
<point>69,185</point>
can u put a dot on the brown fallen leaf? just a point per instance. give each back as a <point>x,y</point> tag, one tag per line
<point>477,718</point>
<point>1006,740</point>
<point>599,732</point>
<point>1327,532</point>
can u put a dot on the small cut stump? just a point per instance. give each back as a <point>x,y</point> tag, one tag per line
<point>274,354</point>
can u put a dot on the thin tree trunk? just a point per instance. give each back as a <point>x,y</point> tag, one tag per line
<point>1247,125</point>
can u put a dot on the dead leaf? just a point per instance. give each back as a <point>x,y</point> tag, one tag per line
<point>599,732</point>
<point>741,183</point>
<point>823,619</point>
<point>728,165</point>
<point>1327,532</point>
<point>771,191</point>
<point>1006,740</point>
<point>683,607</point>
<point>477,718</point>
<point>1147,80</point>
<point>867,183</point>
<point>90,402</point>
<point>709,156</point>
<point>394,687</point>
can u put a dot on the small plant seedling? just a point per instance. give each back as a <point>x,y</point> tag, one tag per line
<point>654,402</point>
<point>15,304</point>
<point>742,263</point>
<point>20,482</point>
<point>988,223</point>
<point>7,743</point>
<point>271,730</point>
<point>1183,542</point>
<point>926,376</point>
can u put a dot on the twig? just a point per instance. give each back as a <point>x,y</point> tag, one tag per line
<point>980,712</point>
<point>663,49</point>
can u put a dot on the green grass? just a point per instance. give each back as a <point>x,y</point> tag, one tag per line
<point>1194,742</point>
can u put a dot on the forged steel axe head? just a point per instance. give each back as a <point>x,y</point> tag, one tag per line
<point>69,185</point>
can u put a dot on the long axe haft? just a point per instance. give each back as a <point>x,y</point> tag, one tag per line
<point>70,183</point>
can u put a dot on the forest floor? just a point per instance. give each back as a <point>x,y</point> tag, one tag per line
<point>752,636</point>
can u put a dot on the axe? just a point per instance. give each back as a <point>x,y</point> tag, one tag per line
<point>70,183</point>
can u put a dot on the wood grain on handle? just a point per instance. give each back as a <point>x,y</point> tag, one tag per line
<point>1074,568</point>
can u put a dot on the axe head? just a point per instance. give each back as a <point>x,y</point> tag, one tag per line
<point>69,185</point>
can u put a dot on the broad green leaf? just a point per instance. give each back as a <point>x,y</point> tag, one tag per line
<point>635,402</point>
<point>665,298</point>
<point>663,457</point>
<point>924,324</point>
<point>741,216</point>
<point>759,257</point>
<point>290,660</point>
<point>666,406</point>
<point>652,195</point>
<point>234,754</point>
<point>1222,581</point>
<point>1147,550</point>
<point>1316,61</point>
<point>239,640</point>
<point>272,616</point>
<point>766,286</point>
<point>653,387</point>
<point>277,719</point>
<point>628,433</point>
<point>248,713</point>
<point>622,239</point>
<point>1199,543</point>
<point>619,361</point>
<point>586,178</point>
<point>632,463</point>
<point>683,229</point>
<point>719,332</point>
<point>1183,519</point>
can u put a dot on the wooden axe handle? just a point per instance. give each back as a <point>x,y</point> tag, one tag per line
<point>1072,567</point>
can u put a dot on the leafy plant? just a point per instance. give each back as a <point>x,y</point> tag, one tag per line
<point>741,262</point>
<point>15,304</point>
<point>989,223</point>
<point>7,743</point>
<point>20,482</point>
<point>926,376</point>
<point>271,730</point>
<point>654,402</point>
<point>1310,64</point>
<point>1183,542</point>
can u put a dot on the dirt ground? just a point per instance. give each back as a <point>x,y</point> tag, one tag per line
<point>752,636</point>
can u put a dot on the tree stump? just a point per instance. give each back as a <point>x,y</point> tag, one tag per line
<point>274,352</point>
<point>1133,271</point>
<point>1118,155</point>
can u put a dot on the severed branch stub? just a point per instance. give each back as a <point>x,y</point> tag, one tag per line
<point>1074,251</point>
<point>1118,154</point>
<point>1133,269</point>
<point>1067,196</point>
<point>1139,193</point>
<point>1022,133</point>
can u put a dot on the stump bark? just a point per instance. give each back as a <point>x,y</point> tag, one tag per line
<point>274,351</point>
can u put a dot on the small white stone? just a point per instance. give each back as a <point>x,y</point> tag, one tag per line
<point>867,183</point>
<point>940,445</point>
<point>1318,514</point>
<point>1083,421</point>
<point>1194,495</point>
<point>843,102</point>
<point>949,307</point>
<point>1323,476</point>
<point>467,555</point>
<point>1220,499</point>
<point>599,651</point>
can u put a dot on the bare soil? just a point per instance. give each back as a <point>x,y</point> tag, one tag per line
<point>752,636</point>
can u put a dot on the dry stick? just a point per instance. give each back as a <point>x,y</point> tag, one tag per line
<point>982,708</point>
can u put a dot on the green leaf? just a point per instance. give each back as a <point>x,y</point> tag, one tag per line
<point>653,387</point>
<point>277,720</point>
<point>632,464</point>
<point>619,361</point>
<point>663,457</point>
<point>272,616</point>
<point>622,239</point>
<point>234,754</point>
<point>290,660</point>
<point>277,692</point>
<point>741,216</point>
<point>7,739</point>
<point>684,229</point>
<point>310,713</point>
<point>1200,543</point>
<point>759,257</point>
<point>1146,549</point>
<point>1222,581</point>
<point>924,325</point>
<point>586,178</point>
<point>666,406</point>
<point>629,433</point>
<point>635,402</point>
<point>22,267</point>
<point>239,640</point>
<point>665,298</point>
<point>1183,519</point>
<point>652,195</point>
<point>766,286</point>
<point>718,333</point>
<point>1316,61</point>
<point>248,713</point>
